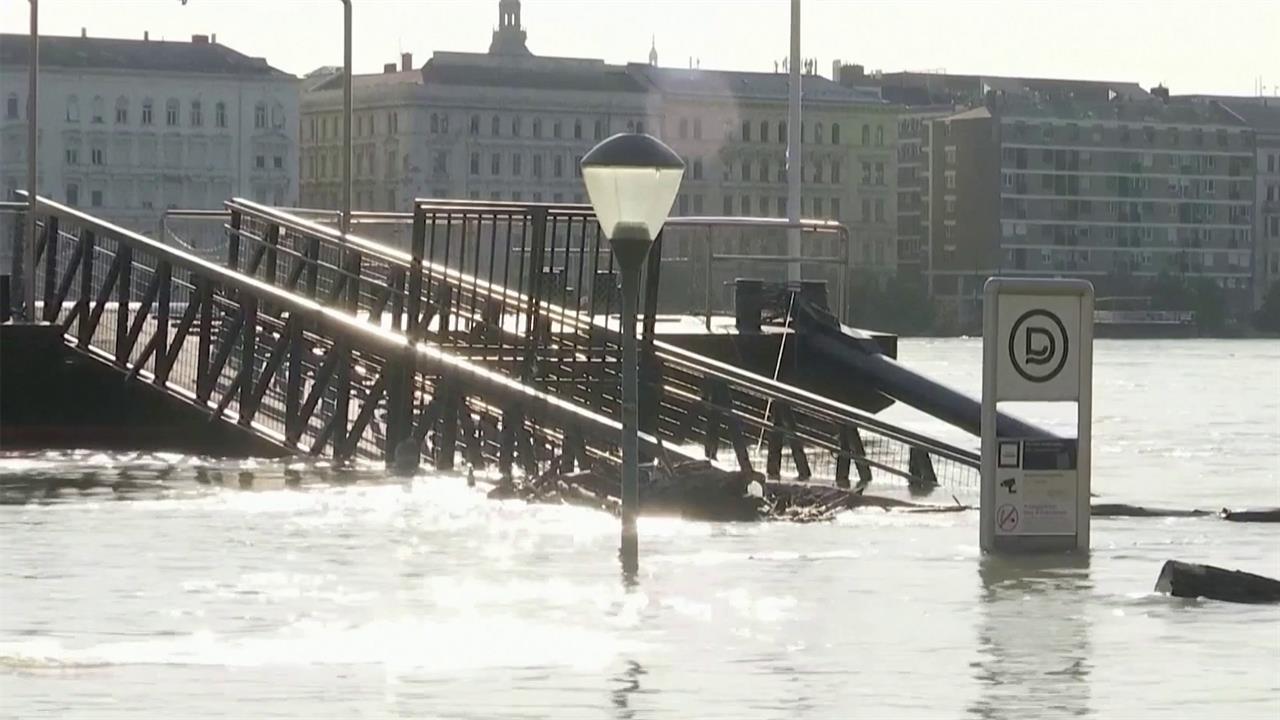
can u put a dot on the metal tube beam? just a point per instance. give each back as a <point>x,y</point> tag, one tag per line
<point>345,220</point>
<point>33,89</point>
<point>630,550</point>
<point>793,146</point>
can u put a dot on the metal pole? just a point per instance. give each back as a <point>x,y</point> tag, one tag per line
<point>630,551</point>
<point>29,267</point>
<point>793,147</point>
<point>345,220</point>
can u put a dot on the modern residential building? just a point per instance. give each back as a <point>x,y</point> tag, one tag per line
<point>922,96</point>
<point>1118,192</point>
<point>131,127</point>
<point>1262,115</point>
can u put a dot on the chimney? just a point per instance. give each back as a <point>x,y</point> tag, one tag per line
<point>214,38</point>
<point>84,32</point>
<point>388,68</point>
<point>199,39</point>
<point>406,61</point>
<point>1161,92</point>
<point>146,35</point>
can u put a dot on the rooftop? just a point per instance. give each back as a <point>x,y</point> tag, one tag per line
<point>1147,111</point>
<point>199,56</point>
<point>748,85</point>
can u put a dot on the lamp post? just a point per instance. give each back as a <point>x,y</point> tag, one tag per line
<point>632,180</point>
<point>345,221</point>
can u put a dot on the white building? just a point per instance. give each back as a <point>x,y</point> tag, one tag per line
<point>128,128</point>
<point>499,125</point>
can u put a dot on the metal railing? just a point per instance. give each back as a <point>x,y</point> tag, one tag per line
<point>304,376</point>
<point>530,291</point>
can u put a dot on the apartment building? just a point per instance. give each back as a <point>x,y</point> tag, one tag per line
<point>1118,192</point>
<point>128,128</point>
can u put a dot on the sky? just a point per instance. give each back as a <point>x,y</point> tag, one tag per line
<point>1191,47</point>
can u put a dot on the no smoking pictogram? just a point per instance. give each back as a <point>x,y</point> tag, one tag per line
<point>1007,517</point>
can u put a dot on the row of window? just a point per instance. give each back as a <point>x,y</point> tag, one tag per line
<point>763,132</point>
<point>1123,134</point>
<point>516,164</point>
<point>147,112</point>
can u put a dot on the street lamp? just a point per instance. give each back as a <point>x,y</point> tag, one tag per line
<point>632,180</point>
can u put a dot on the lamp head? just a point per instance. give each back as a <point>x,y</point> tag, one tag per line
<point>632,180</point>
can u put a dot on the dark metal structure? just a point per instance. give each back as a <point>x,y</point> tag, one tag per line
<point>530,292</point>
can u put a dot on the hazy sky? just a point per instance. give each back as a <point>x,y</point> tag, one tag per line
<point>1220,47</point>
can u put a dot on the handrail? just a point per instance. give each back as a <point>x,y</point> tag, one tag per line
<point>812,403</point>
<point>386,341</point>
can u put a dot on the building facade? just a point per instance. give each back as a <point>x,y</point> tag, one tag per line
<point>511,125</point>
<point>1120,193</point>
<point>128,128</point>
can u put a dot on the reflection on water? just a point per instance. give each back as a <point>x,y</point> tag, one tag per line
<point>288,589</point>
<point>1033,636</point>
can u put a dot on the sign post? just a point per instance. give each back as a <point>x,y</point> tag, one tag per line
<point>1037,344</point>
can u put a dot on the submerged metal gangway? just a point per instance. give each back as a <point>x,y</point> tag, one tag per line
<point>296,368</point>
<point>530,292</point>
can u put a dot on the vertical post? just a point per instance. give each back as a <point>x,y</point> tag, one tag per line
<point>630,551</point>
<point>86,288</point>
<point>1084,424</point>
<point>793,147</point>
<point>204,346</point>
<point>33,87</point>
<point>233,240</point>
<point>165,270</point>
<point>345,220</point>
<point>987,494</point>
<point>124,293</point>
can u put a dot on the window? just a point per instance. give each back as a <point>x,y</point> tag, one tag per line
<point>782,132</point>
<point>764,131</point>
<point>866,173</point>
<point>835,140</point>
<point>516,164</point>
<point>260,161</point>
<point>817,207</point>
<point>122,111</point>
<point>495,126</point>
<point>835,164</point>
<point>879,211</point>
<point>73,194</point>
<point>817,171</point>
<point>555,133</point>
<point>95,198</point>
<point>880,173</point>
<point>697,169</point>
<point>866,210</point>
<point>439,167</point>
<point>11,107</point>
<point>577,129</point>
<point>951,154</point>
<point>879,135</point>
<point>835,202</point>
<point>537,128</point>
<point>639,126</point>
<point>517,196</point>
<point>697,204</point>
<point>577,170</point>
<point>473,126</point>
<point>73,109</point>
<point>197,114</point>
<point>515,126</point>
<point>950,177</point>
<point>260,115</point>
<point>746,170</point>
<point>73,156</point>
<point>277,162</point>
<point>764,171</point>
<point>684,204</point>
<point>97,111</point>
<point>495,164</point>
<point>220,116</point>
<point>557,166</point>
<point>537,163</point>
<point>435,123</point>
<point>817,140</point>
<point>866,134</point>
<point>600,129</point>
<point>746,131</point>
<point>684,128</point>
<point>95,156</point>
<point>727,205</point>
<point>277,116</point>
<point>746,204</point>
<point>475,163</point>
